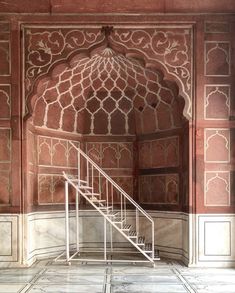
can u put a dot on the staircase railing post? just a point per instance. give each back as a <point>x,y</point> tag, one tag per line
<point>77,220</point>
<point>100,189</point>
<point>137,222</point>
<point>67,219</point>
<point>107,194</point>
<point>92,178</point>
<point>112,196</point>
<point>153,240</point>
<point>105,239</point>
<point>79,167</point>
<point>111,238</point>
<point>125,210</point>
<point>87,172</point>
<point>121,212</point>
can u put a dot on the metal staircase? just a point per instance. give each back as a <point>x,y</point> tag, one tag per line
<point>114,204</point>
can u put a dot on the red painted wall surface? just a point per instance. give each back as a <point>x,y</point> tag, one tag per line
<point>112,6</point>
<point>196,169</point>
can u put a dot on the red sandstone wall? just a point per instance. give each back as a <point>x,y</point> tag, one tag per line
<point>115,158</point>
<point>5,117</point>
<point>110,6</point>
<point>104,92</point>
<point>159,160</point>
<point>215,117</point>
<point>211,133</point>
<point>10,152</point>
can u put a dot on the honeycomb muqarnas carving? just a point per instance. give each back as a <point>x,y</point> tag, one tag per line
<point>106,93</point>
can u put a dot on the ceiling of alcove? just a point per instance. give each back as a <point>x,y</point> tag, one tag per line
<point>106,93</point>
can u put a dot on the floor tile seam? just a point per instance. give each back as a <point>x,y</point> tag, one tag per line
<point>27,289</point>
<point>73,274</point>
<point>68,283</point>
<point>144,274</point>
<point>185,282</point>
<point>30,286</point>
<point>105,287</point>
<point>14,283</point>
<point>149,283</point>
<point>38,275</point>
<point>31,280</point>
<point>22,290</point>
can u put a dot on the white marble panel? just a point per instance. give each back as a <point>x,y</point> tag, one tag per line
<point>9,235</point>
<point>46,233</point>
<point>215,237</point>
<point>92,227</point>
<point>171,234</point>
<point>5,236</point>
<point>218,238</point>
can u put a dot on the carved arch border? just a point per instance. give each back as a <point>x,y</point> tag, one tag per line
<point>167,47</point>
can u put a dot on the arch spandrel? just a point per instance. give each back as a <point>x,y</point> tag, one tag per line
<point>168,48</point>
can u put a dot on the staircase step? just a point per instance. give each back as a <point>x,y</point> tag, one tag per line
<point>126,227</point>
<point>141,241</point>
<point>148,247</point>
<point>85,187</point>
<point>92,194</point>
<point>105,208</point>
<point>132,234</point>
<point>118,220</point>
<point>96,200</point>
<point>156,253</point>
<point>78,180</point>
<point>114,213</point>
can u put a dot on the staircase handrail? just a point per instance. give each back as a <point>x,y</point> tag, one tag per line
<point>113,182</point>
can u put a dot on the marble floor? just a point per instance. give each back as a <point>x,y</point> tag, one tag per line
<point>168,276</point>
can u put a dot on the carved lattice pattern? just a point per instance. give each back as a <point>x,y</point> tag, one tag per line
<point>106,94</point>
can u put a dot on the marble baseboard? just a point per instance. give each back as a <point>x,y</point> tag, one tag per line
<point>45,233</point>
<point>198,240</point>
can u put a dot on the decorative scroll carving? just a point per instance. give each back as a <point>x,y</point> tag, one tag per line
<point>45,47</point>
<point>169,48</point>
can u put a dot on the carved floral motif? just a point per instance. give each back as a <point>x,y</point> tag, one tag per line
<point>46,47</point>
<point>169,47</point>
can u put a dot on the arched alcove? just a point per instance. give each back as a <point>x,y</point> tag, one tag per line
<point>124,114</point>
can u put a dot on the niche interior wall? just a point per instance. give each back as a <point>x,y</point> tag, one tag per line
<point>115,101</point>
